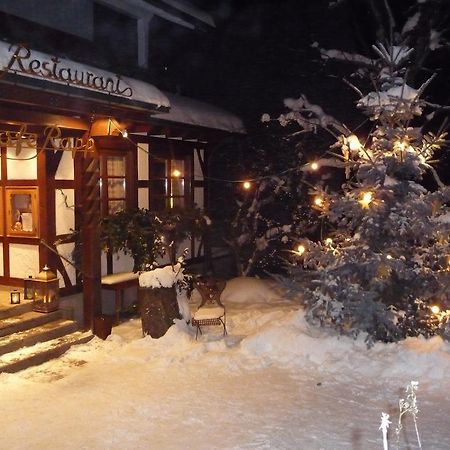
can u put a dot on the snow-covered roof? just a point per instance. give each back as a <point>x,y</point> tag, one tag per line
<point>26,64</point>
<point>193,112</point>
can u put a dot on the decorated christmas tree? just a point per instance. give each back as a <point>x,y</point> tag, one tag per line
<point>382,267</point>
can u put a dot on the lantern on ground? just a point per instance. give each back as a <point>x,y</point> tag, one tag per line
<point>28,288</point>
<point>15,297</point>
<point>46,291</point>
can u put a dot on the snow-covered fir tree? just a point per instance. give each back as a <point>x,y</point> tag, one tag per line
<point>385,261</point>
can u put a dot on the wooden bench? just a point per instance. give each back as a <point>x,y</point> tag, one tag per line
<point>118,282</point>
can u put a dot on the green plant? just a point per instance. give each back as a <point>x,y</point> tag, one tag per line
<point>148,235</point>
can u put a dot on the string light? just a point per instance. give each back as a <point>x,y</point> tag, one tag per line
<point>246,185</point>
<point>314,166</point>
<point>319,202</point>
<point>300,250</point>
<point>125,133</point>
<point>353,142</point>
<point>328,241</point>
<point>435,309</point>
<point>366,199</point>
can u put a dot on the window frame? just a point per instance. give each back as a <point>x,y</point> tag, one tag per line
<point>105,177</point>
<point>169,198</point>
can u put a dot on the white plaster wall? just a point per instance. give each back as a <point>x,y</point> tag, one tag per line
<point>198,174</point>
<point>64,215</point>
<point>66,251</point>
<point>122,263</point>
<point>19,167</point>
<point>142,161</point>
<point>199,197</point>
<point>65,169</point>
<point>24,260</point>
<point>143,201</point>
<point>103,263</point>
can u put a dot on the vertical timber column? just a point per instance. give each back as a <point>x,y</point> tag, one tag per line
<point>90,234</point>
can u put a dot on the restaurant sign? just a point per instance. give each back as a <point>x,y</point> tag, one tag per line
<point>21,61</point>
<point>24,61</point>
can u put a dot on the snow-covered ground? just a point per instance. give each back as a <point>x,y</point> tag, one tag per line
<point>273,383</point>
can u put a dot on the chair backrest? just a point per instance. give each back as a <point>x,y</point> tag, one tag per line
<point>210,290</point>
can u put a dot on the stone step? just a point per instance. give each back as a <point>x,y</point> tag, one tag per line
<point>27,320</point>
<point>41,352</point>
<point>31,336</point>
<point>15,310</point>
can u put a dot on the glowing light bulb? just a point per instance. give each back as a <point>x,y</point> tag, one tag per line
<point>301,249</point>
<point>402,145</point>
<point>176,173</point>
<point>125,133</point>
<point>314,166</point>
<point>353,142</point>
<point>328,241</point>
<point>435,309</point>
<point>389,257</point>
<point>246,185</point>
<point>318,201</point>
<point>366,199</point>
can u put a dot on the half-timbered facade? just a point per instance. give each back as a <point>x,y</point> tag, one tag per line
<point>77,143</point>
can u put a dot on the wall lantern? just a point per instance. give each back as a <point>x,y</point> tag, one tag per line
<point>46,291</point>
<point>15,297</point>
<point>28,288</point>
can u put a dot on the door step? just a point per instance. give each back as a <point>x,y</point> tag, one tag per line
<point>41,352</point>
<point>29,338</point>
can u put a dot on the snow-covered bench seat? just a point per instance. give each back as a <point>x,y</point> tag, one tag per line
<point>118,282</point>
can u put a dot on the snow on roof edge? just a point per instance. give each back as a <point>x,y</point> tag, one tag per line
<point>197,113</point>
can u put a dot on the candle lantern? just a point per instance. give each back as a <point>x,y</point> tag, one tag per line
<point>46,291</point>
<point>15,297</point>
<point>28,288</point>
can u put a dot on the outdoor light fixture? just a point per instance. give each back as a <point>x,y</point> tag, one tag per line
<point>46,291</point>
<point>314,166</point>
<point>247,185</point>
<point>28,288</point>
<point>15,297</point>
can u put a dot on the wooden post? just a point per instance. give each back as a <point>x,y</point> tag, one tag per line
<point>90,235</point>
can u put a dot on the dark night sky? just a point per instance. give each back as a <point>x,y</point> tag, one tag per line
<point>260,53</point>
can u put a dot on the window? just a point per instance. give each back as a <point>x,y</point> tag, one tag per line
<point>113,183</point>
<point>169,182</point>
<point>21,212</point>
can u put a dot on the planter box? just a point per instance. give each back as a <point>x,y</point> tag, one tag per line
<point>158,308</point>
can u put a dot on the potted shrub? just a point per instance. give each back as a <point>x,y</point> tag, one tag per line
<point>148,236</point>
<point>158,305</point>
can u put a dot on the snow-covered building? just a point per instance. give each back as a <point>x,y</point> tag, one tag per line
<point>79,142</point>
